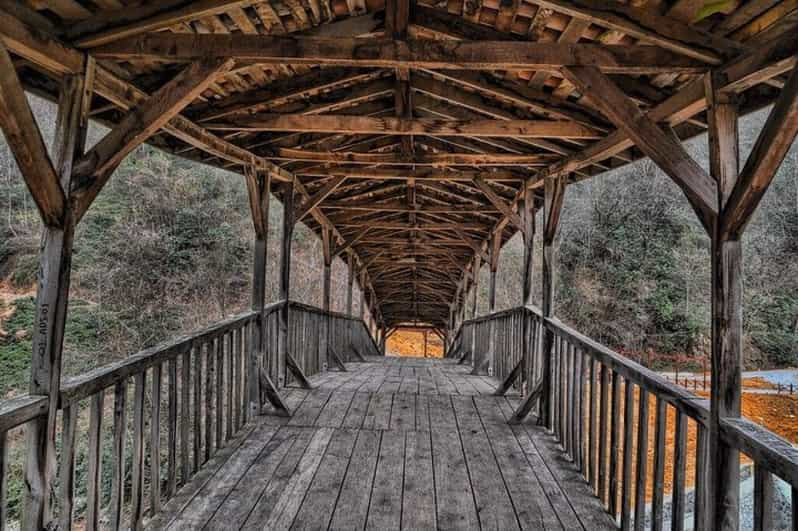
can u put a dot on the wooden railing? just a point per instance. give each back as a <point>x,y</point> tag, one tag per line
<point>173,430</point>
<point>155,418</point>
<point>629,431</point>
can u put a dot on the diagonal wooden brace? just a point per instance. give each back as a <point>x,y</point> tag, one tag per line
<point>296,371</point>
<point>510,380</point>
<point>527,403</point>
<point>357,352</point>
<point>336,359</point>
<point>273,395</point>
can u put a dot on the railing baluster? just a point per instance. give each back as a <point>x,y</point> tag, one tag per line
<point>171,475</point>
<point>679,463</point>
<point>95,461</point>
<point>218,346</point>
<point>137,473</point>
<point>155,440</point>
<point>615,429</point>
<point>3,482</point>
<point>208,385</point>
<point>118,470</point>
<point>603,425</point>
<point>69,419</point>
<point>642,459</point>
<point>228,353</point>
<point>763,499</point>
<point>235,348</point>
<point>197,433</point>
<point>628,434</point>
<point>591,432</point>
<point>701,464</point>
<point>580,416</point>
<point>185,430</point>
<point>659,465</point>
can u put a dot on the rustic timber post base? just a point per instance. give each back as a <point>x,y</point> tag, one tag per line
<point>294,368</point>
<point>528,402</point>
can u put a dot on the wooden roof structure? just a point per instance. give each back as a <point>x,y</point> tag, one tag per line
<point>414,133</point>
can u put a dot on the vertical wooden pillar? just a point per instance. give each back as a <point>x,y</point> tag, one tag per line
<point>475,287</point>
<point>554,193</point>
<point>350,281</point>
<point>725,397</point>
<point>495,249</point>
<point>285,278</point>
<point>526,291</point>
<point>425,343</point>
<point>324,336</point>
<point>259,189</point>
<point>52,294</point>
<point>361,285</point>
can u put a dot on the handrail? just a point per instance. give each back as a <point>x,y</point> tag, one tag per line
<point>690,404</point>
<point>21,409</point>
<point>320,311</point>
<point>85,385</point>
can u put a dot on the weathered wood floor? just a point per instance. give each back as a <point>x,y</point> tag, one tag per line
<point>393,443</point>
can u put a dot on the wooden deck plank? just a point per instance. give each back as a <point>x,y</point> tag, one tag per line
<point>422,413</point>
<point>262,510</point>
<point>455,501</point>
<point>236,508</point>
<point>378,414</point>
<point>403,412</point>
<point>319,503</point>
<point>310,409</point>
<point>418,498</point>
<point>385,507</point>
<point>334,411</point>
<point>494,506</point>
<point>353,504</point>
<point>357,410</point>
<point>290,500</point>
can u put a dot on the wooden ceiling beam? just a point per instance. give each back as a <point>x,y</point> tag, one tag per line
<point>499,203</point>
<point>419,159</point>
<point>400,207</point>
<point>386,53</point>
<point>417,175</point>
<point>355,124</point>
<point>316,199</point>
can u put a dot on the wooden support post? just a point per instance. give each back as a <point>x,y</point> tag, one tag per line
<point>324,333</point>
<point>285,278</point>
<point>528,234</point>
<point>495,248</point>
<point>425,343</point>
<point>554,194</point>
<point>52,296</point>
<point>726,254</point>
<point>259,190</point>
<point>361,284</point>
<point>350,281</point>
<point>475,287</point>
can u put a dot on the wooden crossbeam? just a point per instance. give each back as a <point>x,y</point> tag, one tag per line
<point>401,207</point>
<point>314,200</point>
<point>386,53</point>
<point>499,203</point>
<point>25,141</point>
<point>405,174</point>
<point>418,159</point>
<point>93,170</point>
<point>349,242</point>
<point>772,145</point>
<point>663,148</point>
<point>364,125</point>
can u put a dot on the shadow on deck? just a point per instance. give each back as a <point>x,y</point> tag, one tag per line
<point>392,443</point>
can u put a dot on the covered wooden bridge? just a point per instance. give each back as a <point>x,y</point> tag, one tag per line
<point>414,138</point>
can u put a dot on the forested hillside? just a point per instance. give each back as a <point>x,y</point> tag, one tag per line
<point>167,248</point>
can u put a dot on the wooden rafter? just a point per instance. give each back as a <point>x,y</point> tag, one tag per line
<point>313,201</point>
